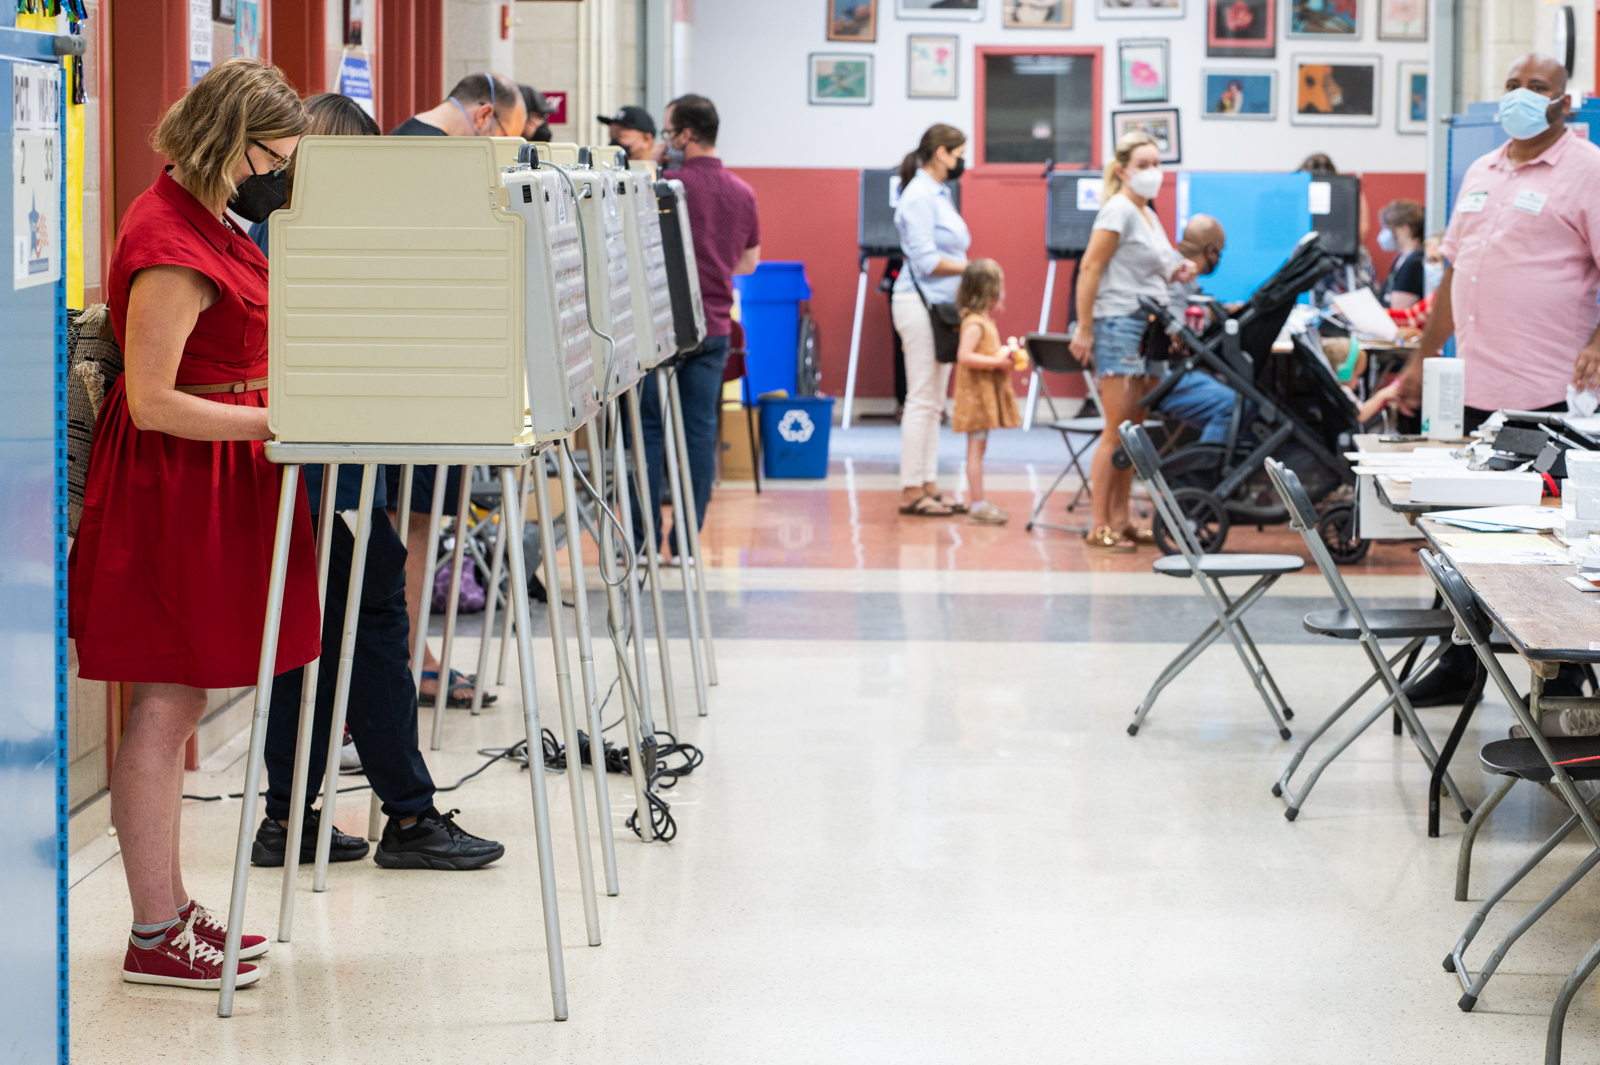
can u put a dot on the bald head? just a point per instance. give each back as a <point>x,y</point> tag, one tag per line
<point>1541,73</point>
<point>1203,240</point>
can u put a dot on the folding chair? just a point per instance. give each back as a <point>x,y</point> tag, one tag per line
<point>1550,760</point>
<point>1053,352</point>
<point>1209,570</point>
<point>1367,627</point>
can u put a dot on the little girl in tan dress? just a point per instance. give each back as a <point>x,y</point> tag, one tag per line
<point>984,398</point>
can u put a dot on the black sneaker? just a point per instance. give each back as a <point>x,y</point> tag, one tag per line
<point>434,842</point>
<point>272,842</point>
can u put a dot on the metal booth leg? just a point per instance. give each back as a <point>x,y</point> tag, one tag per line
<point>308,712</point>
<point>558,640</point>
<point>647,518</point>
<point>855,346</point>
<point>675,485</point>
<point>508,627</point>
<point>425,605</point>
<point>457,563</point>
<point>341,684</point>
<point>258,737</point>
<point>1044,327</point>
<point>692,527</point>
<point>530,716</point>
<point>497,558</point>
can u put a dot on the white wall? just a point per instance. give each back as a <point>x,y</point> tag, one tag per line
<point>750,58</point>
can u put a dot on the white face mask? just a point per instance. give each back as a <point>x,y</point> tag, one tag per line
<point>1146,183</point>
<point>1432,274</point>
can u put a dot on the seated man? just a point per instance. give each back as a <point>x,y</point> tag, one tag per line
<point>1200,400</point>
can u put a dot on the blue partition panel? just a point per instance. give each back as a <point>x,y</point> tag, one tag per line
<point>1263,215</point>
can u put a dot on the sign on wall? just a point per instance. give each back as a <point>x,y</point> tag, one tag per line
<point>355,79</point>
<point>199,39</point>
<point>558,108</point>
<point>35,174</point>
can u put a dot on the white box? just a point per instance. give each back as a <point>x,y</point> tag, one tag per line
<point>1376,521</point>
<point>1583,467</point>
<point>1482,489</point>
<point>1585,499</point>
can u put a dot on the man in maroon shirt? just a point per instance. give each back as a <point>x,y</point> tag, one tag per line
<point>727,241</point>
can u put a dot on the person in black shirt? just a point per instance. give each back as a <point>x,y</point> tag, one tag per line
<point>1403,224</point>
<point>481,105</point>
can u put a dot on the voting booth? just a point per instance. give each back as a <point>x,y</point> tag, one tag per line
<point>606,267</point>
<point>683,274</point>
<point>653,327</point>
<point>401,313</point>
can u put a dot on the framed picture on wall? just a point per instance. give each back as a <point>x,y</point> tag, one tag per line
<point>1411,97</point>
<point>1143,70</point>
<point>1325,20</point>
<point>1037,14</point>
<point>947,10</point>
<point>1241,29</point>
<point>224,11</point>
<point>931,66</point>
<point>1162,126</point>
<point>1402,20</point>
<point>1334,90</point>
<point>1115,9</point>
<point>1239,94</point>
<point>853,20</point>
<point>840,78</point>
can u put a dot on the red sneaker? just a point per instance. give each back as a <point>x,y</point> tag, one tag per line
<point>213,930</point>
<point>181,960</point>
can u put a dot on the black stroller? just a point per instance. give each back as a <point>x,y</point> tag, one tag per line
<point>1290,407</point>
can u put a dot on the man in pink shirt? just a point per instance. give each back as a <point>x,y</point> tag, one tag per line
<point>1524,253</point>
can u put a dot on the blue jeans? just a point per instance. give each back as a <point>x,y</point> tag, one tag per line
<point>700,387</point>
<point>1116,348</point>
<point>1204,403</point>
<point>383,701</point>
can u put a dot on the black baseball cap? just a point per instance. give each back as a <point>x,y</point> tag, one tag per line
<point>534,100</point>
<point>632,117</point>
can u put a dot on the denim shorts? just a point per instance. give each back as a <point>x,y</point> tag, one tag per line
<point>1116,348</point>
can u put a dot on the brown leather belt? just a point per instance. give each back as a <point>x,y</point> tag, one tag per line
<point>233,386</point>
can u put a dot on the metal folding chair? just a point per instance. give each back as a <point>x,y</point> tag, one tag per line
<point>1209,570</point>
<point>1053,352</point>
<point>1367,627</point>
<point>1550,760</point>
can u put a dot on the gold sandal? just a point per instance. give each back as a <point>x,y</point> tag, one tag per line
<point>1105,538</point>
<point>1141,537</point>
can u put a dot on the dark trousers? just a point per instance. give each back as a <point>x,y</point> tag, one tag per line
<point>382,713</point>
<point>700,387</point>
<point>1471,418</point>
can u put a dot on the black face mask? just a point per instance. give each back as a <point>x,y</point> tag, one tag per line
<point>260,194</point>
<point>957,170</point>
<point>542,133</point>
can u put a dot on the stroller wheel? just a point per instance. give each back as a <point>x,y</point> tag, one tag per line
<point>1337,527</point>
<point>1205,516</point>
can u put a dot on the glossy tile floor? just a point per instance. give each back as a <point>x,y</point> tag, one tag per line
<point>921,835</point>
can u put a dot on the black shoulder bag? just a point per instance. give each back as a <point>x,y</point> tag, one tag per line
<point>946,321</point>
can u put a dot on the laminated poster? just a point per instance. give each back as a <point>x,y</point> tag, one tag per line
<point>35,174</point>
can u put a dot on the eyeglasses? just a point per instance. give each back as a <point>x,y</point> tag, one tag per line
<point>282,161</point>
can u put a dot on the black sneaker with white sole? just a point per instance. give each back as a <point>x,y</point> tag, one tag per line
<point>434,842</point>
<point>272,843</point>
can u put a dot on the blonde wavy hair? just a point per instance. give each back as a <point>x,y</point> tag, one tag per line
<point>207,132</point>
<point>982,282</point>
<point>1127,144</point>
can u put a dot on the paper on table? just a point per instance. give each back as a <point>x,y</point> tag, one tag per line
<point>1583,585</point>
<point>1491,556</point>
<point>1423,456</point>
<point>1515,517</point>
<point>1365,314</point>
<point>1497,541</point>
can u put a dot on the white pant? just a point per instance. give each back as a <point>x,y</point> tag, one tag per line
<point>927,380</point>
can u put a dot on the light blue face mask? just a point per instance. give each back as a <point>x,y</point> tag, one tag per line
<point>1432,274</point>
<point>1386,239</point>
<point>1522,113</point>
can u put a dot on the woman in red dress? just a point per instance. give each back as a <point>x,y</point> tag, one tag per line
<point>168,576</point>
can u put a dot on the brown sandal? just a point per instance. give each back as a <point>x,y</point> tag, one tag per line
<point>926,507</point>
<point>1105,538</point>
<point>956,506</point>
<point>1142,537</point>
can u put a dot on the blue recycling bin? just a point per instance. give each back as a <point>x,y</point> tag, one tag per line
<point>769,302</point>
<point>794,436</point>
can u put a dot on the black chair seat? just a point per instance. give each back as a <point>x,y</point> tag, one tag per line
<point>1521,759</point>
<point>1232,565</point>
<point>1091,424</point>
<point>1385,624</point>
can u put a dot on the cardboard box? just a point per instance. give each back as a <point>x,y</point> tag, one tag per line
<point>735,461</point>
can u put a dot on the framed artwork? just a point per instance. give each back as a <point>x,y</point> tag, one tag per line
<point>1241,29</point>
<point>931,66</point>
<point>1143,70</point>
<point>947,10</point>
<point>1334,90</point>
<point>1037,102</point>
<point>1411,98</point>
<point>840,78</point>
<point>1239,94</point>
<point>354,16</point>
<point>224,11</point>
<point>247,28</point>
<point>1325,20</point>
<point>1402,20</point>
<point>1162,126</point>
<point>1037,14</point>
<point>853,20</point>
<point>1117,9</point>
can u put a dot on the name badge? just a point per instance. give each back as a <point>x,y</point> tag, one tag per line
<point>1530,201</point>
<point>1472,202</point>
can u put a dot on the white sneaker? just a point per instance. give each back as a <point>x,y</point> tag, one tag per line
<point>349,758</point>
<point>1564,723</point>
<point>986,513</point>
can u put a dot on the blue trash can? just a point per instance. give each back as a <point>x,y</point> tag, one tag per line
<point>769,307</point>
<point>794,436</point>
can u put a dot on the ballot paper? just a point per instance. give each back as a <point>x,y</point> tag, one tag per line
<point>1365,314</point>
<point>1500,519</point>
<point>1501,549</point>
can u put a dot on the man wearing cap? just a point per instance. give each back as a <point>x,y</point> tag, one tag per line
<point>634,131</point>
<point>537,127</point>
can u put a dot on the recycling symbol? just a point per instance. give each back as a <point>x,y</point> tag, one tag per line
<point>796,427</point>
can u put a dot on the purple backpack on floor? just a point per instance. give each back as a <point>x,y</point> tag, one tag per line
<point>472,593</point>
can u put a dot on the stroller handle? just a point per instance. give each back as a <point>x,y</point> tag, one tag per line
<point>1174,327</point>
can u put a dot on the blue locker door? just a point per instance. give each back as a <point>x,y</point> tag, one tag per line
<point>32,586</point>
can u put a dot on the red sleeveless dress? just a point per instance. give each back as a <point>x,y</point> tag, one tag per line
<point>167,580</point>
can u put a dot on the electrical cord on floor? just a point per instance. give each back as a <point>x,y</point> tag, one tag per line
<point>662,824</point>
<point>516,752</point>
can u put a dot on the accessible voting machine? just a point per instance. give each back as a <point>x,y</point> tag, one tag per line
<point>410,305</point>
